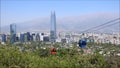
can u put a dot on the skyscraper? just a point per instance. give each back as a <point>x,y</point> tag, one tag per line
<point>53,27</point>
<point>12,33</point>
<point>3,38</point>
<point>22,38</point>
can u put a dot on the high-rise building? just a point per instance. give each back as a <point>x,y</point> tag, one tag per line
<point>46,38</point>
<point>53,27</point>
<point>37,37</point>
<point>22,38</point>
<point>3,38</point>
<point>12,33</point>
<point>28,36</point>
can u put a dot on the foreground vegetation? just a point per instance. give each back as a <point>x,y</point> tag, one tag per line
<point>12,57</point>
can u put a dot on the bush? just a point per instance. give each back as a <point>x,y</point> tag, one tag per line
<point>11,57</point>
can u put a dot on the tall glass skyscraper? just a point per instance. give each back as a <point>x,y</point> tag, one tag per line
<point>53,27</point>
<point>12,33</point>
<point>3,38</point>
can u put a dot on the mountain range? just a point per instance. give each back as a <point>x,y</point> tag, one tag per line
<point>68,23</point>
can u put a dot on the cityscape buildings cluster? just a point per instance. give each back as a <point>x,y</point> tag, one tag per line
<point>63,37</point>
<point>53,36</point>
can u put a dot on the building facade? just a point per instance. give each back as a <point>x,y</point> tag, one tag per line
<point>12,33</point>
<point>22,38</point>
<point>53,28</point>
<point>3,38</point>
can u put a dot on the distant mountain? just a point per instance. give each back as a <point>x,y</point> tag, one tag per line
<point>68,23</point>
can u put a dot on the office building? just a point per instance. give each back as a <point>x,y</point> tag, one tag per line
<point>41,36</point>
<point>53,27</point>
<point>22,38</point>
<point>37,37</point>
<point>12,33</point>
<point>3,38</point>
<point>46,38</point>
<point>28,36</point>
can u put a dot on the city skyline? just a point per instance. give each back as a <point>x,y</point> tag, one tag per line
<point>59,33</point>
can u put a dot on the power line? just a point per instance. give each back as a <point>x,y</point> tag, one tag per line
<point>106,26</point>
<point>101,25</point>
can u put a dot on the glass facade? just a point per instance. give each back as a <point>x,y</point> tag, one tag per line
<point>28,36</point>
<point>53,27</point>
<point>3,38</point>
<point>22,38</point>
<point>12,33</point>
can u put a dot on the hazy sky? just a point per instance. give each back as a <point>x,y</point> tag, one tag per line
<point>16,11</point>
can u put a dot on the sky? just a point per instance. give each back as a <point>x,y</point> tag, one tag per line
<point>17,11</point>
